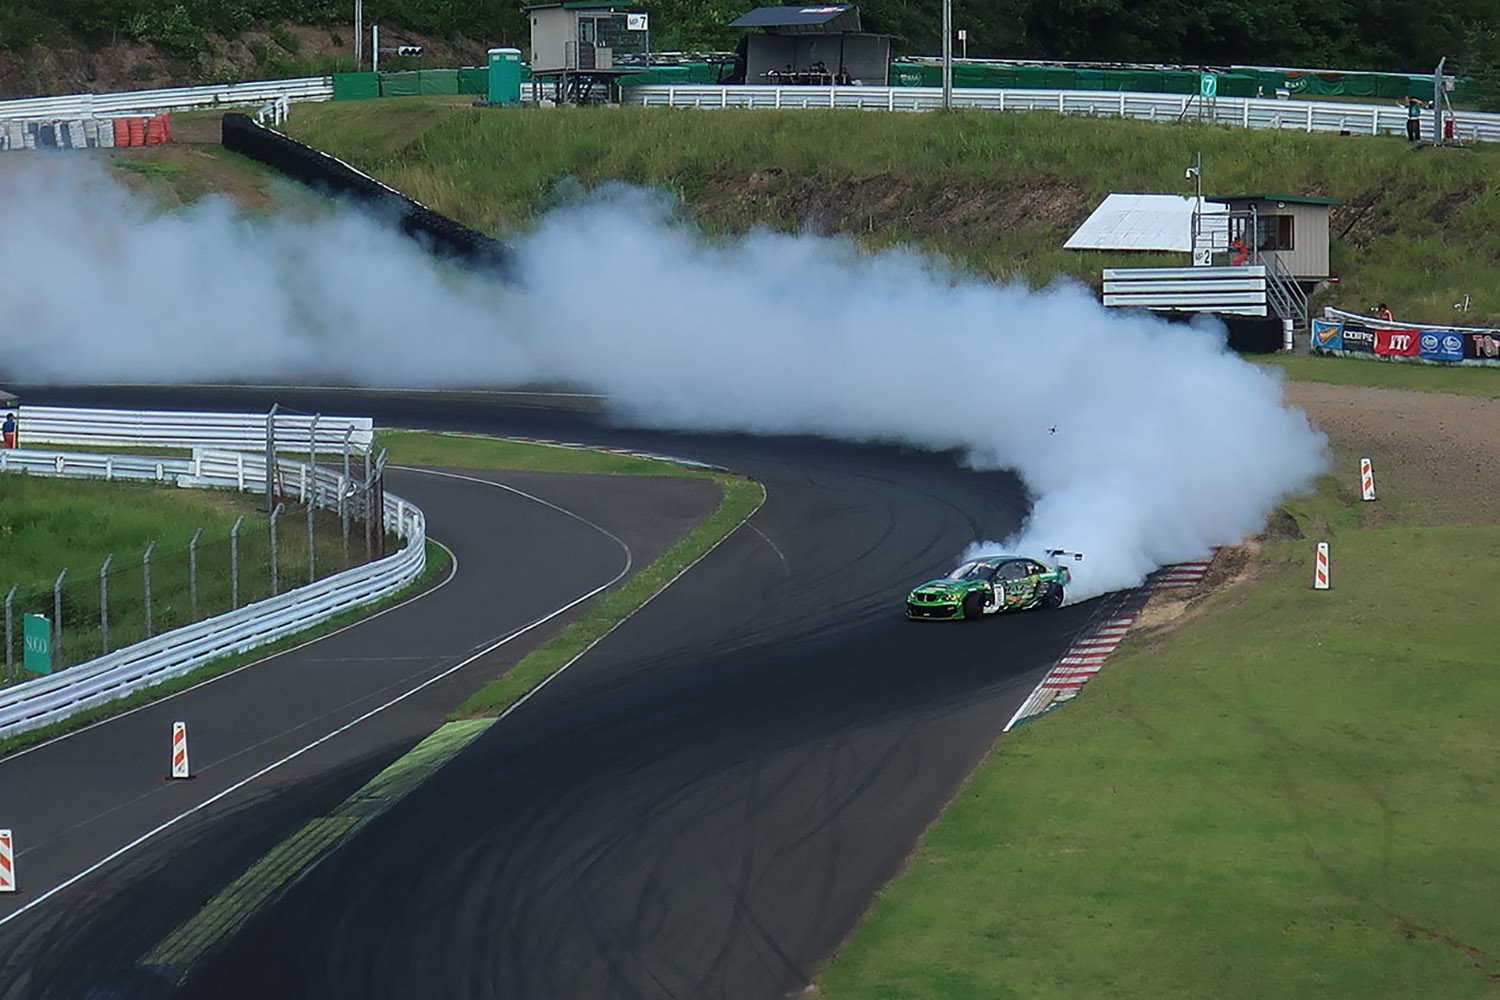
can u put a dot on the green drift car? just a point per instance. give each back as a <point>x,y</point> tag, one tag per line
<point>987,586</point>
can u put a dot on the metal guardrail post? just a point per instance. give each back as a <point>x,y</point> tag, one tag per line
<point>271,456</point>
<point>104,604</point>
<point>193,573</point>
<point>310,498</point>
<point>146,571</point>
<point>345,488</point>
<point>57,643</point>
<point>275,569</point>
<point>234,564</point>
<point>10,600</point>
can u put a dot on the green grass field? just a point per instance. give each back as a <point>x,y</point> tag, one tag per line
<point>997,192</point>
<point>1465,381</point>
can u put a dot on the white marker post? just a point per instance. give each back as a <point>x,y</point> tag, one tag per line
<point>1320,575</point>
<point>1366,480</point>
<point>7,863</point>
<point>179,751</point>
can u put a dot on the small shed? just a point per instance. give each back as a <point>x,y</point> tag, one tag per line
<point>1289,230</point>
<point>818,46</point>
<point>587,35</point>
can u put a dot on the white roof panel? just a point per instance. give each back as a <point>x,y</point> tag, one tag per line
<point>1148,222</point>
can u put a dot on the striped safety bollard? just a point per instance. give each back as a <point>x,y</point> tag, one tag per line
<point>1320,574</point>
<point>179,751</point>
<point>1366,480</point>
<point>7,863</point>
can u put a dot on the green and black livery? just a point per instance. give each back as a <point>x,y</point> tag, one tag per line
<point>989,585</point>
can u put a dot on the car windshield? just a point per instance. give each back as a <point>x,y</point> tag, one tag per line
<point>973,571</point>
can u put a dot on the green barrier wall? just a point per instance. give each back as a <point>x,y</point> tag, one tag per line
<point>473,81</point>
<point>355,86</point>
<point>408,84</point>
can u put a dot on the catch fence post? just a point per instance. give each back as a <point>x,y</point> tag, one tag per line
<point>275,570</point>
<point>344,491</point>
<point>57,643</point>
<point>10,600</point>
<point>271,456</point>
<point>146,571</point>
<point>193,573</point>
<point>104,604</point>
<point>234,564</point>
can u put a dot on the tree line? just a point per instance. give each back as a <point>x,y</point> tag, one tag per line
<point>1391,35</point>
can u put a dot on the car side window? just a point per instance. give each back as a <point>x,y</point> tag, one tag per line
<point>1013,571</point>
<point>1034,568</point>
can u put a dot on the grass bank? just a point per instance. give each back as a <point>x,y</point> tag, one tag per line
<point>1291,797</point>
<point>997,192</point>
<point>1470,381</point>
<point>740,498</point>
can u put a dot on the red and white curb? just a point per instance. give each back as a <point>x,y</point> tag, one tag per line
<point>1086,656</point>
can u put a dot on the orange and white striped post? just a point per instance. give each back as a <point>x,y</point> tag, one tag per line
<point>179,751</point>
<point>1320,574</point>
<point>1366,480</point>
<point>7,863</point>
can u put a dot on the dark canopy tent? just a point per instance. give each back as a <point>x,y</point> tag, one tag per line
<point>810,45</point>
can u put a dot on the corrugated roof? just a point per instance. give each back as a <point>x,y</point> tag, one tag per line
<point>1296,199</point>
<point>1147,222</point>
<point>789,17</point>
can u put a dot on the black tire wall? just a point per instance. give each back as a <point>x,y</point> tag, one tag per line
<point>437,233</point>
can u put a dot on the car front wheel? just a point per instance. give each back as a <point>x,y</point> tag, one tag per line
<point>974,606</point>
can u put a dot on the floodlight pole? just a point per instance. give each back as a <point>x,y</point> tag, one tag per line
<point>375,48</point>
<point>947,55</point>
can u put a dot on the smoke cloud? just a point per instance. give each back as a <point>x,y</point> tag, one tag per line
<point>1143,443</point>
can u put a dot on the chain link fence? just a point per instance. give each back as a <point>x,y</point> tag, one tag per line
<point>131,596</point>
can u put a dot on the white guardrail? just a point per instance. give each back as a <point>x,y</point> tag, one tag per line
<point>187,429</point>
<point>55,697</point>
<point>141,102</point>
<point>1246,112</point>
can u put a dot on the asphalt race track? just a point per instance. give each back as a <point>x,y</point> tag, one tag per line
<point>703,806</point>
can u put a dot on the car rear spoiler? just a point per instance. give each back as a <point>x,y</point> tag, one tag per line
<point>1061,554</point>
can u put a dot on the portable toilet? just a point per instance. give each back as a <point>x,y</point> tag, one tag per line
<point>505,76</point>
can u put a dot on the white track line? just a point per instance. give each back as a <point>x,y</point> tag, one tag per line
<point>161,828</point>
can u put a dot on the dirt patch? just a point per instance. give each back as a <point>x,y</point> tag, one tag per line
<point>982,209</point>
<point>1437,446</point>
<point>1439,451</point>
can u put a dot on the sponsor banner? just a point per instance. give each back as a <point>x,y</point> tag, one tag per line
<point>1442,345</point>
<point>1397,343</point>
<point>1360,339</point>
<point>1327,336</point>
<point>1482,346</point>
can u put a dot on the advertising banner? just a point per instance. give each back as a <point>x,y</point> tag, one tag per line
<point>37,633</point>
<point>1482,346</point>
<point>1442,345</point>
<point>1359,338</point>
<point>1397,343</point>
<point>1327,335</point>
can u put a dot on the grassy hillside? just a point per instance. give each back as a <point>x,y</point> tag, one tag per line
<point>1419,228</point>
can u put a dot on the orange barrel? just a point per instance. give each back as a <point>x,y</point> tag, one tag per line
<point>156,133</point>
<point>137,131</point>
<point>122,132</point>
<point>166,127</point>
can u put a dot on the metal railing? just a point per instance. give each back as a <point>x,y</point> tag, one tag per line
<point>187,429</point>
<point>54,698</point>
<point>1245,112</point>
<point>138,102</point>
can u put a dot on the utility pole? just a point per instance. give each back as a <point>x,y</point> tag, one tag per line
<point>375,48</point>
<point>947,54</point>
<point>1437,103</point>
<point>359,35</point>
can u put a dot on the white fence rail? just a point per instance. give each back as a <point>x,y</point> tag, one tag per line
<point>139,102</point>
<point>54,698</point>
<point>1239,290</point>
<point>1246,112</point>
<point>187,429</point>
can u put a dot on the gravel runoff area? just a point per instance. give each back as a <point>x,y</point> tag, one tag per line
<point>1443,447</point>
